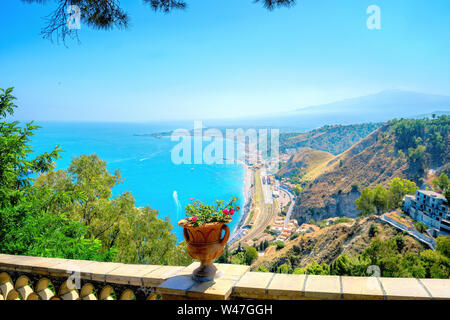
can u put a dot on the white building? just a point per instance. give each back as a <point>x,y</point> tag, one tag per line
<point>431,208</point>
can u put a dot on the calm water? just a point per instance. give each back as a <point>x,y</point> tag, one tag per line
<point>145,164</point>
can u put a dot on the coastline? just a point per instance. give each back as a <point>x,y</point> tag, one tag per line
<point>246,188</point>
<point>247,191</point>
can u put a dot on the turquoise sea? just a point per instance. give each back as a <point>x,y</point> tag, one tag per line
<point>145,164</point>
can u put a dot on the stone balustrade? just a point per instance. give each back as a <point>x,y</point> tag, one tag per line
<point>38,278</point>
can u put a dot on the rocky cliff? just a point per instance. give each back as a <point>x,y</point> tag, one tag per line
<point>401,148</point>
<point>338,205</point>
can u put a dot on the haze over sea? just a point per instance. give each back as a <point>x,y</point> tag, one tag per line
<point>145,164</point>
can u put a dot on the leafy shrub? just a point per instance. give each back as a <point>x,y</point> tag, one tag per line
<point>262,269</point>
<point>420,226</point>
<point>284,268</point>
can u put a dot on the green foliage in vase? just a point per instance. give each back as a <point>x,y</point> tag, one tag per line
<point>200,213</point>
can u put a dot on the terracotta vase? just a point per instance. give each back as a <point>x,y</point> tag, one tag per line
<point>205,243</point>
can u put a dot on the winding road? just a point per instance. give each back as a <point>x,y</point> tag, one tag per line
<point>291,207</point>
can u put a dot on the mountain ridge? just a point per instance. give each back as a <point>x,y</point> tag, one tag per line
<point>377,107</point>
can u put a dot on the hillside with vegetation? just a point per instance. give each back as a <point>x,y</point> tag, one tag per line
<point>72,213</point>
<point>304,164</point>
<point>352,247</point>
<point>404,148</point>
<point>333,139</point>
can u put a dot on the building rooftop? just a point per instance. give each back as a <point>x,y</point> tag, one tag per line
<point>433,194</point>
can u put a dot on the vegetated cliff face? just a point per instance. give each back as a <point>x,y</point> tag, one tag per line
<point>333,192</point>
<point>377,159</point>
<point>333,139</point>
<point>327,244</point>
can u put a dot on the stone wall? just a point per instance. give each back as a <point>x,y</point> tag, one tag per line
<point>37,278</point>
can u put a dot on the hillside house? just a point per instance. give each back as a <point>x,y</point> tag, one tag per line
<point>431,208</point>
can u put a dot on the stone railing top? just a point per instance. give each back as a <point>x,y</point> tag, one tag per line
<point>234,281</point>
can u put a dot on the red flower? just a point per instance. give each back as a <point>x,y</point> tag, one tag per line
<point>231,211</point>
<point>194,218</point>
<point>225,211</point>
<point>238,208</point>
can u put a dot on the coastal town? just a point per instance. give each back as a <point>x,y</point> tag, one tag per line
<point>270,201</point>
<point>269,204</point>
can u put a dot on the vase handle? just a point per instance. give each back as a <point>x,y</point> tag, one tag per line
<point>224,240</point>
<point>186,234</point>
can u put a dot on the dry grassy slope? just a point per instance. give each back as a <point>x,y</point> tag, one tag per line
<point>325,245</point>
<point>369,162</point>
<point>307,161</point>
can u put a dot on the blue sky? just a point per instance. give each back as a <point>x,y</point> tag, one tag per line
<point>222,58</point>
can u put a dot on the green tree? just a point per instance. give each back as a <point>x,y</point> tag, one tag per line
<point>71,213</point>
<point>384,254</point>
<point>436,264</point>
<point>417,154</point>
<point>16,168</point>
<point>398,188</point>
<point>411,266</point>
<point>443,245</point>
<point>49,235</point>
<point>238,258</point>
<point>26,226</point>
<point>251,254</point>
<point>444,184</point>
<point>364,203</point>
<point>342,266</point>
<point>345,265</point>
<point>279,244</point>
<point>137,234</point>
<point>380,199</point>
<point>284,268</point>
<point>262,269</point>
<point>299,271</point>
<point>317,269</point>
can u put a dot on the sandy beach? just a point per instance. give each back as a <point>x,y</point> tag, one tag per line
<point>248,178</point>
